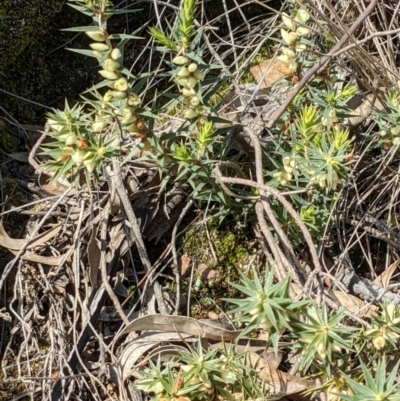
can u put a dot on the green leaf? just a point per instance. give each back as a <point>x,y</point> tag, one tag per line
<point>91,28</point>
<point>84,52</point>
<point>162,39</point>
<point>123,11</point>
<point>83,10</point>
<point>124,36</point>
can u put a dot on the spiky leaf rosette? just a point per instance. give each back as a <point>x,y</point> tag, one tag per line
<point>320,339</point>
<point>267,306</point>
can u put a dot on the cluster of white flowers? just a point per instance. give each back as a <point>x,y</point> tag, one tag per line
<point>112,65</point>
<point>286,174</point>
<point>188,78</point>
<point>294,29</point>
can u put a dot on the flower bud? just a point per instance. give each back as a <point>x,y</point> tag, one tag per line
<point>288,52</point>
<point>266,324</point>
<point>302,16</point>
<point>96,35</point>
<point>321,351</point>
<point>97,53</point>
<point>108,74</point>
<point>180,60</point>
<point>287,176</point>
<point>71,139</point>
<point>192,67</point>
<point>284,59</point>
<point>133,99</point>
<point>191,114</point>
<point>90,165</point>
<point>78,156</point>
<point>286,160</point>
<point>289,38</point>
<point>288,21</point>
<point>186,92</point>
<point>194,101</point>
<point>128,120</point>
<point>379,342</point>
<point>107,97</point>
<point>184,72</point>
<point>300,47</point>
<point>63,137</point>
<point>101,151</point>
<point>118,94</point>
<point>115,54</point>
<point>101,47</point>
<point>182,81</point>
<point>128,112</point>
<point>303,31</point>
<point>121,84</point>
<point>111,65</point>
<point>98,126</point>
<point>129,116</point>
<point>255,311</point>
<point>192,82</point>
<point>67,151</point>
<point>198,75</point>
<point>54,125</point>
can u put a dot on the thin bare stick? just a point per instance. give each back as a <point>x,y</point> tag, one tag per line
<point>120,188</point>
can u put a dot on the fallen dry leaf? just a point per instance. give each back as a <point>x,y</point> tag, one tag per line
<point>383,280</point>
<point>44,260</point>
<point>30,256</point>
<point>135,349</point>
<point>350,302</point>
<point>272,70</point>
<point>181,324</point>
<point>17,244</point>
<point>281,384</point>
<point>353,304</point>
<point>94,254</point>
<point>52,188</point>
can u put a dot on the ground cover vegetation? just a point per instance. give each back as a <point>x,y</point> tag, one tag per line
<point>192,234</point>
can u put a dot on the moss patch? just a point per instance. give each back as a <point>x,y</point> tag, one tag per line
<point>33,61</point>
<point>233,251</point>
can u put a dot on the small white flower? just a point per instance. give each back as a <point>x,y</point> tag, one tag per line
<point>121,84</point>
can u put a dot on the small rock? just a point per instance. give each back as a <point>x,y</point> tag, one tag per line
<point>213,316</point>
<point>206,273</point>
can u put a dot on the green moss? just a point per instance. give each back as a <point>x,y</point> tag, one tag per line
<point>33,61</point>
<point>232,251</point>
<point>21,24</point>
<point>9,144</point>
